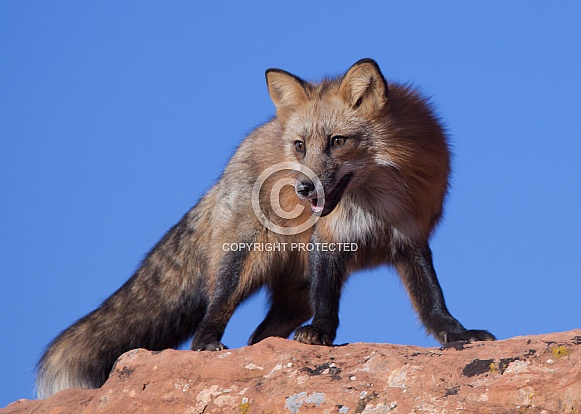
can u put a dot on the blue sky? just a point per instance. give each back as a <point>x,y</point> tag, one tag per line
<point>115,117</point>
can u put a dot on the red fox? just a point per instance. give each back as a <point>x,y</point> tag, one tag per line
<point>351,174</point>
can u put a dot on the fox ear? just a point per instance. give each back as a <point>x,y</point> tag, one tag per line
<point>363,87</point>
<point>286,90</point>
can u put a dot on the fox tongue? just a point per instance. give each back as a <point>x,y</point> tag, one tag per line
<point>315,207</point>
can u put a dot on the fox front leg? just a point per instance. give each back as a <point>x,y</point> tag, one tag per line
<point>327,271</point>
<point>415,267</point>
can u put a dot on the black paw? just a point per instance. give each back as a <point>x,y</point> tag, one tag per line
<point>212,346</point>
<point>308,334</point>
<point>470,335</point>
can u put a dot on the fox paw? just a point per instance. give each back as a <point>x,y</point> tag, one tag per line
<point>469,335</point>
<point>212,346</point>
<point>310,335</point>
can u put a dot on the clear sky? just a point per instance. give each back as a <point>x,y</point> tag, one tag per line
<point>115,117</point>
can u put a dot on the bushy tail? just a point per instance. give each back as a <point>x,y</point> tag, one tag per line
<point>61,367</point>
<point>72,360</point>
<point>84,354</point>
<point>158,308</point>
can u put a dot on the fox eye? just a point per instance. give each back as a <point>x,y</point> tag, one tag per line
<point>338,141</point>
<point>299,146</point>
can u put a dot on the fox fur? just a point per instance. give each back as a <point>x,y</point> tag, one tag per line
<point>382,164</point>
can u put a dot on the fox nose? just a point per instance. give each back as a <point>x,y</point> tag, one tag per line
<point>304,188</point>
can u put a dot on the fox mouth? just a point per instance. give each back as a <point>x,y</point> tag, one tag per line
<point>332,198</point>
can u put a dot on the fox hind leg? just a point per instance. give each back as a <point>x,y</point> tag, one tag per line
<point>226,297</point>
<point>290,306</point>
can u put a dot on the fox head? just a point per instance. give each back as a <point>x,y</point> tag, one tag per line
<point>330,128</point>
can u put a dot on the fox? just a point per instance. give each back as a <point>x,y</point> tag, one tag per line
<point>347,161</point>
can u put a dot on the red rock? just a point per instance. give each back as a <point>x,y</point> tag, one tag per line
<point>524,374</point>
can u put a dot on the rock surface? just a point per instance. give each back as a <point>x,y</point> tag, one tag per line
<point>524,374</point>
